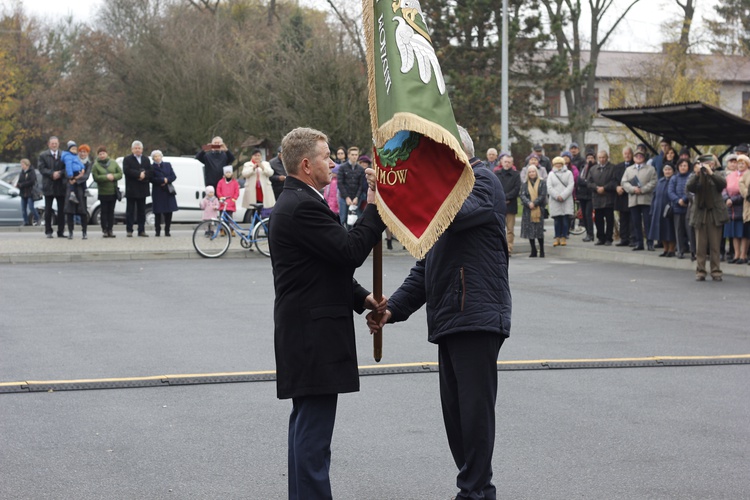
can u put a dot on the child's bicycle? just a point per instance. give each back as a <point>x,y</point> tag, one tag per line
<point>212,238</point>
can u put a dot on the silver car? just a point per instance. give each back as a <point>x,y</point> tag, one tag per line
<point>10,205</point>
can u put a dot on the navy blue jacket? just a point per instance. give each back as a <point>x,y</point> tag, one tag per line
<point>677,189</point>
<point>464,277</point>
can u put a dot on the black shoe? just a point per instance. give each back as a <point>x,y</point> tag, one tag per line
<point>670,254</point>
<point>599,243</point>
<point>740,261</point>
<point>111,234</point>
<point>658,245</point>
<point>587,239</point>
<point>143,235</point>
<point>692,257</point>
<point>681,255</point>
<point>70,236</point>
<point>607,243</point>
<point>389,244</point>
<point>651,248</point>
<point>166,233</point>
<point>717,278</point>
<point>663,254</point>
<point>49,235</point>
<point>633,244</point>
<point>731,261</point>
<point>61,235</point>
<point>623,243</point>
<point>83,236</point>
<point>700,278</point>
<point>157,234</point>
<point>130,234</point>
<point>638,248</point>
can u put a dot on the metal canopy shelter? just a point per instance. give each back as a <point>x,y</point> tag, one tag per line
<point>691,124</point>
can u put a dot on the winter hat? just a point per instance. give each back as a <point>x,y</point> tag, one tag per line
<point>71,144</point>
<point>210,189</point>
<point>567,153</point>
<point>744,158</point>
<point>228,169</point>
<point>365,159</point>
<point>558,160</point>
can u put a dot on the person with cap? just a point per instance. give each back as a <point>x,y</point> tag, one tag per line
<point>742,149</point>
<point>544,161</point>
<point>279,174</point>
<point>228,191</point>
<point>560,185</point>
<point>492,160</point>
<point>137,170</point>
<point>621,197</point>
<point>106,173</point>
<point>583,195</point>
<point>52,168</point>
<point>75,199</point>
<point>639,182</point>
<point>163,196</point>
<point>214,156</point>
<point>602,185</point>
<point>511,182</point>
<point>709,214</point>
<point>575,153</point>
<point>258,188</point>
<point>351,179</point>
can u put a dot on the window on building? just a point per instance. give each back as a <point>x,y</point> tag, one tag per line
<point>746,105</point>
<point>616,97</point>
<point>552,103</point>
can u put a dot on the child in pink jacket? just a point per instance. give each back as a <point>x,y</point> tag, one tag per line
<point>210,204</point>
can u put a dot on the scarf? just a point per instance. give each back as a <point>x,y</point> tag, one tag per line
<point>536,212</point>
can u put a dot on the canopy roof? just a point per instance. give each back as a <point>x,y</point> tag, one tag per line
<point>691,124</point>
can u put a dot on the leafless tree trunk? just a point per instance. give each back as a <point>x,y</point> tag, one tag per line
<point>688,8</point>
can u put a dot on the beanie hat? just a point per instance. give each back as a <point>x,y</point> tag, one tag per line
<point>71,144</point>
<point>228,169</point>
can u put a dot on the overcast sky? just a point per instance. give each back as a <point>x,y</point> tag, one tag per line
<point>641,30</point>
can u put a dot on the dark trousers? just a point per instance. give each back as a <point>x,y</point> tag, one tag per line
<point>71,222</point>
<point>682,232</point>
<point>107,213</point>
<point>167,222</point>
<point>135,212</point>
<point>625,226</point>
<point>310,432</point>
<point>48,214</point>
<point>468,390</point>
<point>587,209</point>
<point>605,223</point>
<point>641,221</point>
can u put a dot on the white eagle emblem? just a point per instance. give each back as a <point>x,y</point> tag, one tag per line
<point>414,44</point>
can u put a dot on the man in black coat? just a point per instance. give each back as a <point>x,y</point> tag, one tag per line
<point>137,170</point>
<point>602,184</point>
<point>463,280</point>
<point>511,181</point>
<point>314,258</point>
<point>279,174</point>
<point>52,168</point>
<point>621,199</point>
<point>215,157</point>
<point>351,179</point>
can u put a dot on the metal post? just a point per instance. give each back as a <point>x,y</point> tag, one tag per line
<point>504,139</point>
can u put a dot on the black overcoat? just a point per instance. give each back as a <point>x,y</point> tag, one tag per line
<point>313,258</point>
<point>134,187</point>
<point>48,165</point>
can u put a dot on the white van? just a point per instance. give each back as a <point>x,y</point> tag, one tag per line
<point>189,189</point>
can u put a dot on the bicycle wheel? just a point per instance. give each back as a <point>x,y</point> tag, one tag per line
<point>260,236</point>
<point>211,239</point>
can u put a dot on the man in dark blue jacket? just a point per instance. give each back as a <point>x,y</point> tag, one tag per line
<point>464,282</point>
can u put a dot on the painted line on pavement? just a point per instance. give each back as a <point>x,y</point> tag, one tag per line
<point>366,370</point>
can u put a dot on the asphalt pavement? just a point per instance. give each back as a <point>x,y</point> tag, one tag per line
<point>619,433</point>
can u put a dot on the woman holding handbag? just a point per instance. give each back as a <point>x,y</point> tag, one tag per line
<point>106,173</point>
<point>163,196</point>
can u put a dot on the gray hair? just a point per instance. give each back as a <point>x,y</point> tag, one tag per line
<point>136,143</point>
<point>627,148</point>
<point>467,142</point>
<point>156,152</point>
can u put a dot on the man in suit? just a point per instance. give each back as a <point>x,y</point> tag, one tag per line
<point>602,184</point>
<point>314,258</point>
<point>52,168</point>
<point>138,171</point>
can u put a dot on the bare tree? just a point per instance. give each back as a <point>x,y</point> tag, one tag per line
<point>205,5</point>
<point>580,76</point>
<point>688,9</point>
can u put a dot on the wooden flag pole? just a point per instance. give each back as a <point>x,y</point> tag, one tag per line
<point>377,291</point>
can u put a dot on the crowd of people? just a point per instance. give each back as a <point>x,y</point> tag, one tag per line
<point>687,207</point>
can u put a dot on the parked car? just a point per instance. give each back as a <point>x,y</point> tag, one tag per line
<point>189,189</point>
<point>10,205</point>
<point>9,172</point>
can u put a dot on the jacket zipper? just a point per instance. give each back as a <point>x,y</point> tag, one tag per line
<point>462,285</point>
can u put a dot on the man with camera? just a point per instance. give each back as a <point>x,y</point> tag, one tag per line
<point>709,214</point>
<point>214,156</point>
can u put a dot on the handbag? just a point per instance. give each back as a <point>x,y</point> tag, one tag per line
<point>170,189</point>
<point>118,193</point>
<point>667,212</point>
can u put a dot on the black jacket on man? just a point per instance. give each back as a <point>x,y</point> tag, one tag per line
<point>351,181</point>
<point>278,170</point>
<point>621,201</point>
<point>602,176</point>
<point>314,258</point>
<point>511,181</point>
<point>47,165</point>
<point>134,186</point>
<point>214,162</point>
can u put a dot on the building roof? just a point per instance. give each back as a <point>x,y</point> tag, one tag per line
<point>690,124</point>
